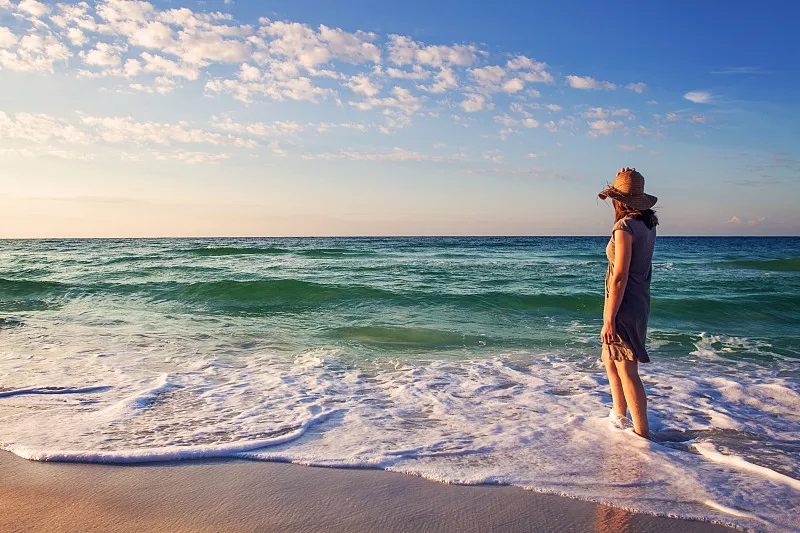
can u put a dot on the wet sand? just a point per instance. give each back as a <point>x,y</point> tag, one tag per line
<point>250,496</point>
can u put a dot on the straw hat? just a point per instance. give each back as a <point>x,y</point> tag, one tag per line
<point>628,188</point>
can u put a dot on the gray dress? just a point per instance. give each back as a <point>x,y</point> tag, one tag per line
<point>634,311</point>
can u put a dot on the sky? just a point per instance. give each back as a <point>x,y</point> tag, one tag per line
<point>125,118</point>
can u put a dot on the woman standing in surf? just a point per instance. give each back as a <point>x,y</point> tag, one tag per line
<point>627,301</point>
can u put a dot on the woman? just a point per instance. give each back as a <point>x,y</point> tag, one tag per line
<point>627,303</point>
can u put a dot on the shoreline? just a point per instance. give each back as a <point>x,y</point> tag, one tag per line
<point>240,495</point>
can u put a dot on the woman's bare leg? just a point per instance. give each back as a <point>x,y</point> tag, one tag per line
<point>617,394</point>
<point>635,396</point>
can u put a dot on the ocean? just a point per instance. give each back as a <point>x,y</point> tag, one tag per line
<point>461,360</point>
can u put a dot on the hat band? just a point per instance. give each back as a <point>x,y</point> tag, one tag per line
<point>623,193</point>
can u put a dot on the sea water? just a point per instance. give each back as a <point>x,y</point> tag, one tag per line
<point>462,360</point>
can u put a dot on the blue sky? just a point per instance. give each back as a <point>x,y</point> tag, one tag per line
<point>126,118</point>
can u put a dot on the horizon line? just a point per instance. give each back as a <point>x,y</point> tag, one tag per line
<point>396,236</point>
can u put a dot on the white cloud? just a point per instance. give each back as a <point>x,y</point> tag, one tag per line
<point>301,45</point>
<point>679,117</point>
<point>530,70</point>
<point>75,15</point>
<point>362,84</point>
<point>630,147</point>
<point>103,55</point>
<point>248,73</point>
<point>756,220</point>
<point>553,107</point>
<point>595,112</point>
<point>506,120</point>
<point>636,87</point>
<point>161,85</point>
<point>191,158</point>
<point>627,113</point>
<point>505,132</point>
<point>124,10</point>
<point>513,86</point>
<point>402,99</point>
<point>599,113</point>
<point>127,130</point>
<point>649,132</point>
<point>33,8</point>
<point>734,220</point>
<point>76,37</point>
<point>40,151</point>
<point>7,38</point>
<point>604,127</point>
<point>161,65</point>
<point>405,51</point>
<point>699,97</point>
<point>40,128</point>
<point>34,52</point>
<point>587,82</point>
<point>277,128</point>
<point>445,79</point>
<point>324,127</point>
<point>396,154</point>
<point>530,123</point>
<point>155,35</point>
<point>277,150</point>
<point>473,103</point>
<point>416,73</point>
<point>494,156</point>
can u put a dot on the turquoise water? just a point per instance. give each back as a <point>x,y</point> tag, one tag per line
<point>467,360</point>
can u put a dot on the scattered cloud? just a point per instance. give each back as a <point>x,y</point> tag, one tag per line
<point>46,151</point>
<point>395,154</point>
<point>403,50</point>
<point>636,87</point>
<point>604,127</point>
<point>139,48</point>
<point>261,129</point>
<point>192,158</point>
<point>750,222</point>
<point>494,156</point>
<point>578,82</point>
<point>473,103</point>
<point>699,97</point>
<point>41,128</point>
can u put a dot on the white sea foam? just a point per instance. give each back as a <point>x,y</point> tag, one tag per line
<point>709,451</point>
<point>534,420</point>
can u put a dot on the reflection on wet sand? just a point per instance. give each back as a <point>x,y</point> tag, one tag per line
<point>624,468</point>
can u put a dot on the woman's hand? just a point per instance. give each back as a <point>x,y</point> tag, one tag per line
<point>609,333</point>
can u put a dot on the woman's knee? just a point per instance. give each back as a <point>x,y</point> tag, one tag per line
<point>627,369</point>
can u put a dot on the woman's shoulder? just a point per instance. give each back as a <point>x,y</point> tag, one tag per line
<point>626,224</point>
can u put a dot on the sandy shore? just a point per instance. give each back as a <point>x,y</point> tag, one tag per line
<point>243,496</point>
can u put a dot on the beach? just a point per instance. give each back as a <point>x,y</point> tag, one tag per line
<point>445,370</point>
<point>243,496</point>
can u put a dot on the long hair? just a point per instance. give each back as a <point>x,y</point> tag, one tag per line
<point>623,210</point>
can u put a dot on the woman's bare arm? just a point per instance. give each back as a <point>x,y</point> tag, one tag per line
<point>623,246</point>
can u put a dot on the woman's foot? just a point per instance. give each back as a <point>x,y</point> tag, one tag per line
<point>619,421</point>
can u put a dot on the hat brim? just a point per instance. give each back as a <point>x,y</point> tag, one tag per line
<point>642,202</point>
